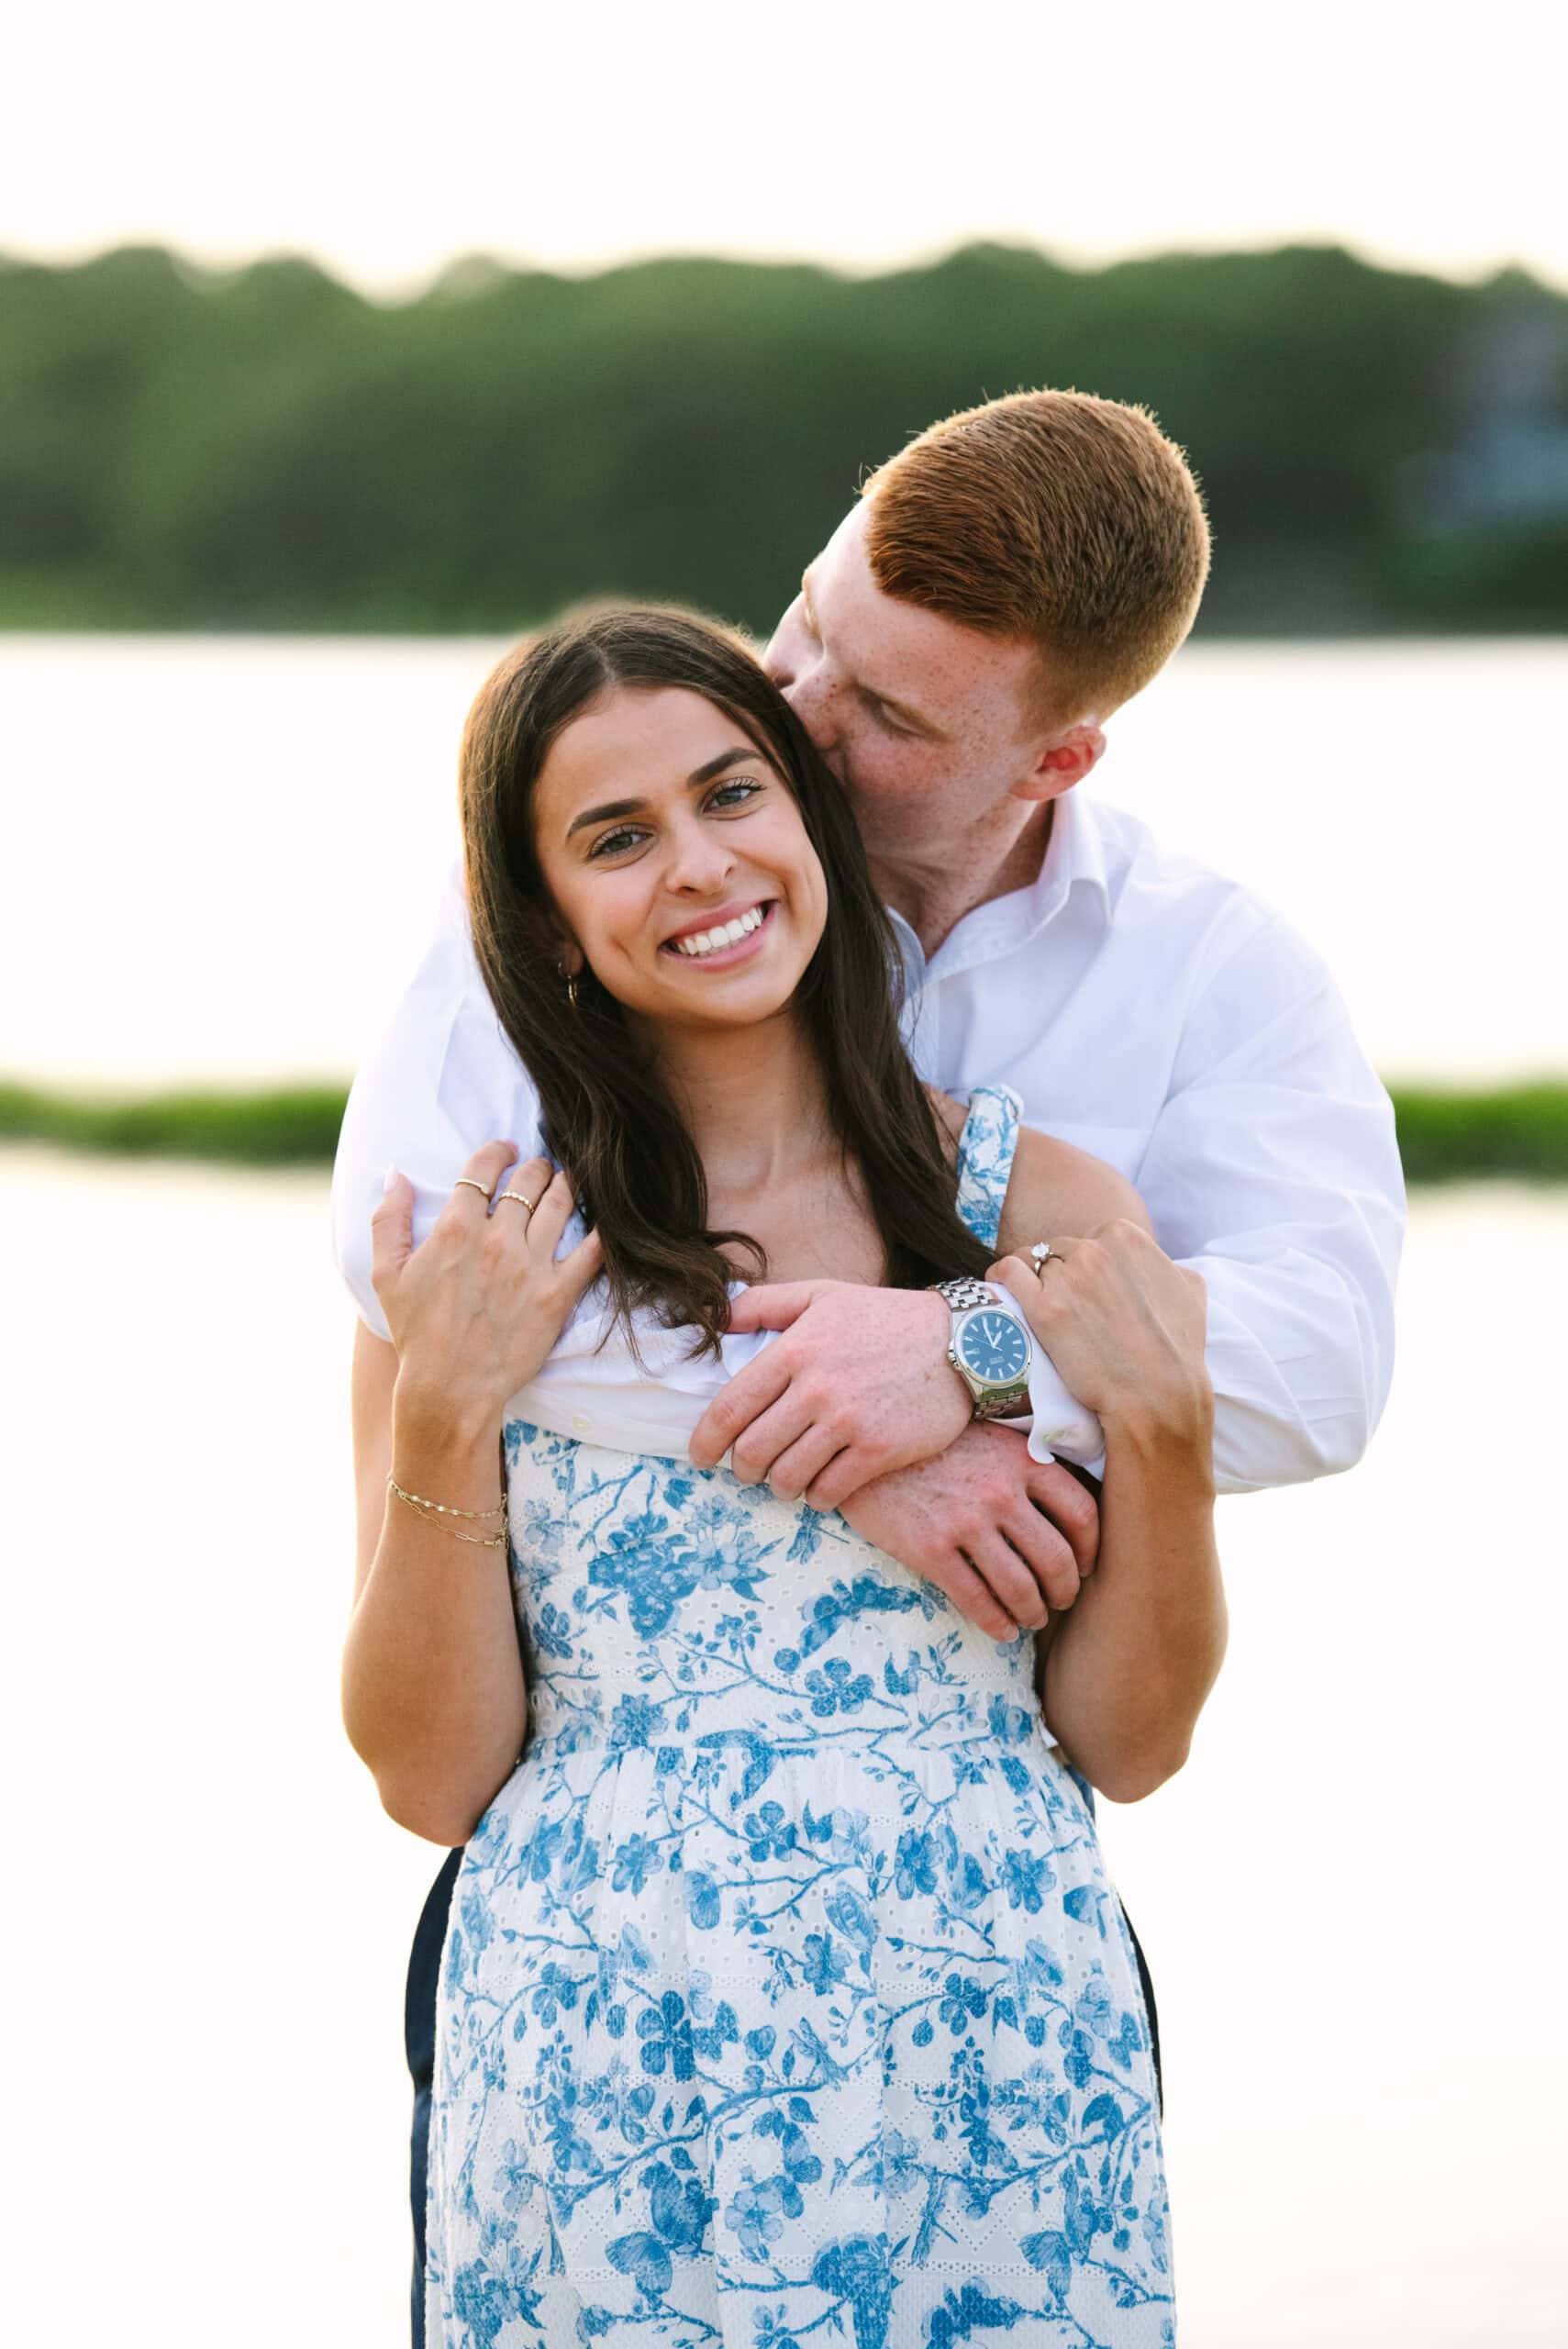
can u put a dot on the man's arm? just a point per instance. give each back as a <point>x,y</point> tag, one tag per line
<point>1271,1171</point>
<point>1274,1172</point>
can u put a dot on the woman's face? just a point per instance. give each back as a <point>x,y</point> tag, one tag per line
<point>677,861</point>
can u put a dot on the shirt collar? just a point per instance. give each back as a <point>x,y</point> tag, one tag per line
<point>1076,858</point>
<point>1074,863</point>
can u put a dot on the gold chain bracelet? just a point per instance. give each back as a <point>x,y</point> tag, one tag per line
<point>433,1511</point>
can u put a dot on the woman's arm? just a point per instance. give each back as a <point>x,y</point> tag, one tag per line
<point>434,1697</point>
<point>1127,1672</point>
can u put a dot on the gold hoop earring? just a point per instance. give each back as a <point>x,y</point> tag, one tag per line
<point>571,989</point>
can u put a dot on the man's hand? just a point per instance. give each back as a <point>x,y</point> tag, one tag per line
<point>978,1523</point>
<point>858,1385</point>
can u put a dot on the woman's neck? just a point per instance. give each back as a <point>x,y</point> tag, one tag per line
<point>752,1099</point>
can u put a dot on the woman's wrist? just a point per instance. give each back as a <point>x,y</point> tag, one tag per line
<point>1176,1423</point>
<point>437,1423</point>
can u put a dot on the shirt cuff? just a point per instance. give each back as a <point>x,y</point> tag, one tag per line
<point>1059,1427</point>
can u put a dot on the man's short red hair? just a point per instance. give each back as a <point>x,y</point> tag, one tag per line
<point>1056,520</point>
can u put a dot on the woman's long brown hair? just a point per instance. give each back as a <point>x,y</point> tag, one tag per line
<point>607,1114</point>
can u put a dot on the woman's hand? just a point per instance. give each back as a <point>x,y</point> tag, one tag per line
<point>475,1309</point>
<point>1124,1326</point>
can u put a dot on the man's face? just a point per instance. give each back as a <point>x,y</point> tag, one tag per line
<point>925,722</point>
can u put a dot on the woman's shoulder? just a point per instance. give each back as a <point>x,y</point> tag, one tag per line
<point>1051,1185</point>
<point>1058,1188</point>
<point>952,1116</point>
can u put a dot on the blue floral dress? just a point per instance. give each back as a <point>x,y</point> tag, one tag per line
<point>785,1999</point>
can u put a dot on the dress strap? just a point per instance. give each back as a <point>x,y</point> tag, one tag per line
<point>985,1149</point>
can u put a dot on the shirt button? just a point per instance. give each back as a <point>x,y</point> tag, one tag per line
<point>581,1422</point>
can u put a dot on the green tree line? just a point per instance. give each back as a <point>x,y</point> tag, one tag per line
<point>1446,1134</point>
<point>269,449</point>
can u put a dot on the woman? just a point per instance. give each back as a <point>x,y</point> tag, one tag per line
<point>784,1995</point>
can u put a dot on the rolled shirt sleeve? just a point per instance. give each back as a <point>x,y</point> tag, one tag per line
<point>1274,1171</point>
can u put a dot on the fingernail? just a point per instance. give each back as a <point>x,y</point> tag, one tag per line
<point>388,1179</point>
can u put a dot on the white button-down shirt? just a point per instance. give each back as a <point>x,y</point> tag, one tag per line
<point>1145,1008</point>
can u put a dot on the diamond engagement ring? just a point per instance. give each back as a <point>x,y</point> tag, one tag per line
<point>1038,1254</point>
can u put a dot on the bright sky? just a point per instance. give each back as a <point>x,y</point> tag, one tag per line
<point>387,139</point>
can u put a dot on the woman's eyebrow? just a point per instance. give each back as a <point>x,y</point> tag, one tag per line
<point>611,808</point>
<point>603,815</point>
<point>716,766</point>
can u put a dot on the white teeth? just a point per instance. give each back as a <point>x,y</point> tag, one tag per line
<point>707,941</point>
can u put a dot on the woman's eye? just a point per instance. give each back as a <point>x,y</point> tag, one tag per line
<point>734,795</point>
<point>613,844</point>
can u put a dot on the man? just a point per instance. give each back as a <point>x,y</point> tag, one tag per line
<point>1001,587</point>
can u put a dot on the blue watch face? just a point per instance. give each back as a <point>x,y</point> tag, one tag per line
<point>994,1347</point>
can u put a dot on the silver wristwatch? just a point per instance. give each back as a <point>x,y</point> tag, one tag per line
<point>990,1347</point>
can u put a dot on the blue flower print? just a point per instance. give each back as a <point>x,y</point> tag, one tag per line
<point>636,1720</point>
<point>515,2181</point>
<point>846,1908</point>
<point>825,1964</point>
<point>555,1989</point>
<point>895,2165</point>
<point>857,2269</point>
<point>666,2035</point>
<point>478,1922</point>
<point>834,1690</point>
<point>1028,1877</point>
<point>703,1904</point>
<point>756,2213</point>
<point>636,1861</point>
<point>964,1999</point>
<point>845,1834</point>
<point>710,2039</point>
<point>771,1832</point>
<point>1008,1723</point>
<point>784,1996</point>
<point>551,1630</point>
<point>914,1870</point>
<point>678,2207</point>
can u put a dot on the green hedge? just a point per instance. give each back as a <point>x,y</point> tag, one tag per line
<point>1445,1135</point>
<point>294,1125</point>
<point>1448,1136</point>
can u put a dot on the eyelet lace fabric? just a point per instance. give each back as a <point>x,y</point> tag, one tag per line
<point>784,1997</point>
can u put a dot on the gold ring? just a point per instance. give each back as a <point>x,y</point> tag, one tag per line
<point>522,1202</point>
<point>473,1185</point>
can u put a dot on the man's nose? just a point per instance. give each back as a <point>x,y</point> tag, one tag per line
<point>813,703</point>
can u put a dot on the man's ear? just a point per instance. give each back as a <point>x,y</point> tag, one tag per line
<point>1063,761</point>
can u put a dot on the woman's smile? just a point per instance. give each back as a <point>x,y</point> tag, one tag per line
<point>723,939</point>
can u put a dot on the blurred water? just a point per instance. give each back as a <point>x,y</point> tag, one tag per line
<point>1351,1899</point>
<point>224,853</point>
